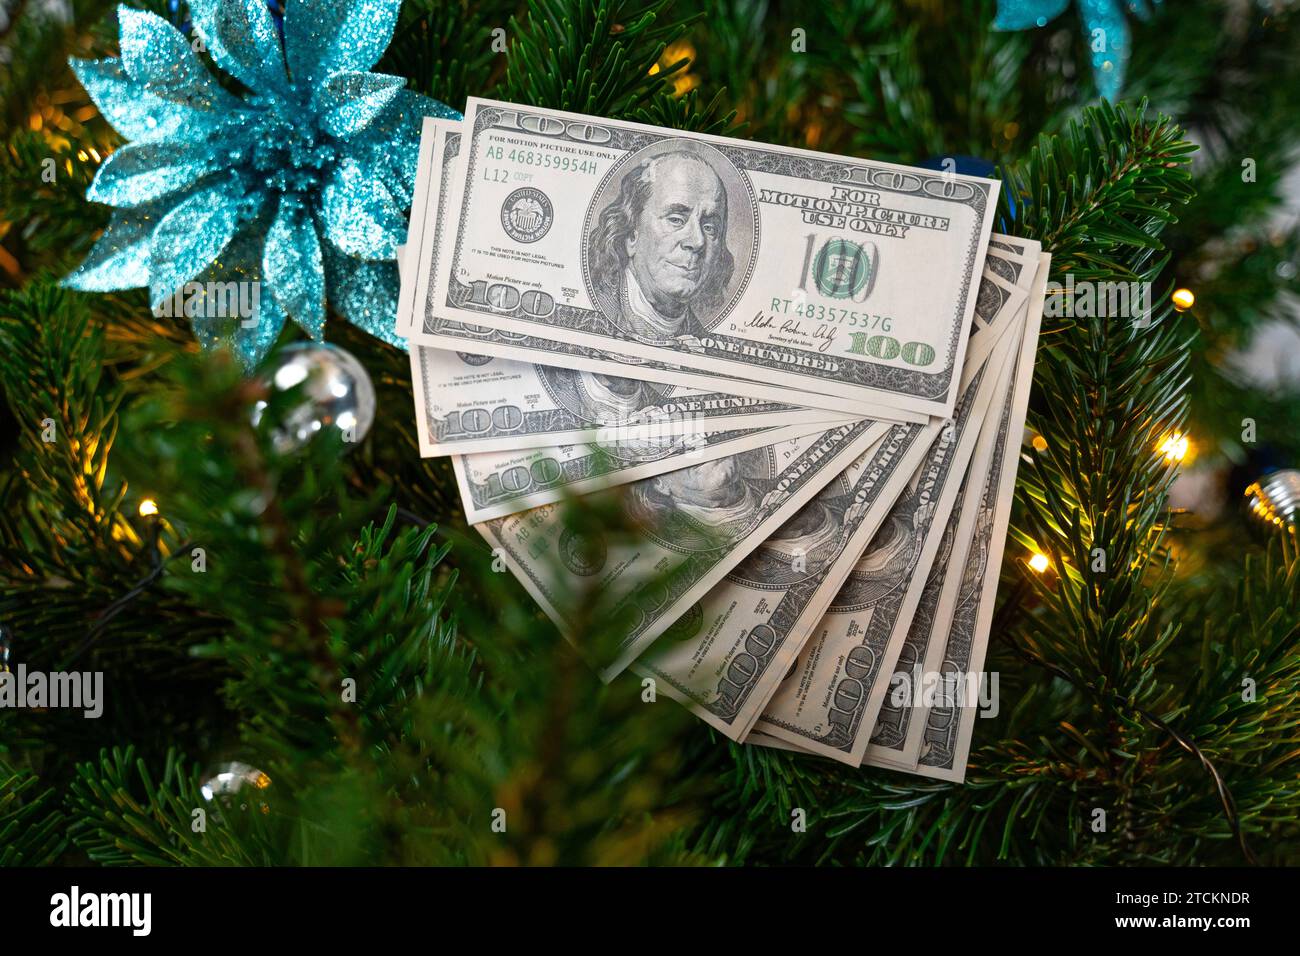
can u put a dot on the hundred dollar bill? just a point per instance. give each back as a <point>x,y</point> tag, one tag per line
<point>941,735</point>
<point>424,206</point>
<point>1014,259</point>
<point>471,403</point>
<point>838,276</point>
<point>420,322</point>
<point>496,484</point>
<point>470,344</point>
<point>828,704</point>
<point>726,654</point>
<point>724,661</point>
<point>913,672</point>
<point>997,286</point>
<point>696,524</point>
<point>447,336</point>
<point>468,403</point>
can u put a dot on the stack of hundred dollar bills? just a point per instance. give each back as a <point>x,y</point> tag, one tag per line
<point>802,378</point>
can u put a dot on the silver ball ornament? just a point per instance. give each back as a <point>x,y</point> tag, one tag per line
<point>236,784</point>
<point>337,393</point>
<point>1274,500</point>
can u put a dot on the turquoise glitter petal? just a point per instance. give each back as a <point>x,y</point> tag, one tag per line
<point>1027,14</point>
<point>120,258</point>
<point>135,112</point>
<point>323,37</point>
<point>140,173</point>
<point>190,238</point>
<point>364,293</point>
<point>291,263</point>
<point>156,55</point>
<point>360,216</point>
<point>352,101</point>
<point>242,40</point>
<point>252,336</point>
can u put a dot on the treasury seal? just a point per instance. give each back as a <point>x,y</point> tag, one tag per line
<point>526,215</point>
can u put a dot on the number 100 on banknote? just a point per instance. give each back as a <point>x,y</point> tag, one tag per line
<point>834,275</point>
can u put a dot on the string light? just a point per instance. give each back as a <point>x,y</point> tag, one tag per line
<point>148,507</point>
<point>1040,443</point>
<point>1039,562</point>
<point>1174,447</point>
<point>1183,299</point>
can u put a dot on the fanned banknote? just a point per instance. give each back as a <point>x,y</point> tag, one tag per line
<point>500,483</point>
<point>726,655</point>
<point>468,402</point>
<point>727,659</point>
<point>941,734</point>
<point>933,616</point>
<point>828,704</point>
<point>839,276</point>
<point>696,524</point>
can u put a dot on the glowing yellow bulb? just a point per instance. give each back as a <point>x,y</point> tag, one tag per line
<point>148,507</point>
<point>1184,299</point>
<point>1174,447</point>
<point>1040,443</point>
<point>1039,562</point>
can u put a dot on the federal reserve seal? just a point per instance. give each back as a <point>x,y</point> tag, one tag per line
<point>526,215</point>
<point>582,556</point>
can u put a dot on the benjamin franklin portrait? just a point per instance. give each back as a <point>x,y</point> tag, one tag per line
<point>803,546</point>
<point>714,504</point>
<point>671,242</point>
<point>886,567</point>
<point>603,399</point>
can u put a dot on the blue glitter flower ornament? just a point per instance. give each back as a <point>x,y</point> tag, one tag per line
<point>297,186</point>
<point>1103,22</point>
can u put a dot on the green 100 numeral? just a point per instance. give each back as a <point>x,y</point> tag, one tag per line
<point>501,297</point>
<point>518,480</point>
<point>886,347</point>
<point>478,421</point>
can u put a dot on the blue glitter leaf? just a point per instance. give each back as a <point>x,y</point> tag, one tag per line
<point>132,110</point>
<point>142,172</point>
<point>250,337</point>
<point>291,263</point>
<point>364,293</point>
<point>352,101</point>
<point>323,37</point>
<point>360,216</point>
<point>242,39</point>
<point>191,237</point>
<point>391,144</point>
<point>156,55</point>
<point>120,259</point>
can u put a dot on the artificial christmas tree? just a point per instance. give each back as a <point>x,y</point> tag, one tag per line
<point>327,620</point>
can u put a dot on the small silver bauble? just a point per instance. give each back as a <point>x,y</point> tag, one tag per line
<point>1274,500</point>
<point>337,393</point>
<point>236,784</point>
